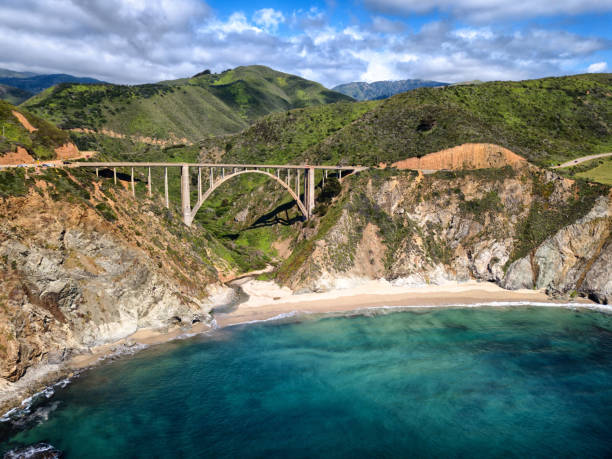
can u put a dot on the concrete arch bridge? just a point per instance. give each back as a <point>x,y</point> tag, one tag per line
<point>293,178</point>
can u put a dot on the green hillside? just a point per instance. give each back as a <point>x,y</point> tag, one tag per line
<point>192,108</point>
<point>546,120</point>
<point>14,95</point>
<point>40,144</point>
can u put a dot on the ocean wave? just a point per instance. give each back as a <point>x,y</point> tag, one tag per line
<point>284,315</point>
<point>569,305</point>
<point>400,308</point>
<point>25,413</point>
<point>37,450</point>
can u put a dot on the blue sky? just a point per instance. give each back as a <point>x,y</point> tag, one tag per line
<point>333,41</point>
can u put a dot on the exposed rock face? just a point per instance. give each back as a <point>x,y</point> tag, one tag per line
<point>70,280</point>
<point>430,230</point>
<point>466,156</point>
<point>597,283</point>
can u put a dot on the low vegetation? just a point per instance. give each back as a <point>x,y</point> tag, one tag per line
<point>191,108</point>
<point>547,121</point>
<point>40,144</point>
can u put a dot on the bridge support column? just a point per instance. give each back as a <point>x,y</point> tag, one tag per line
<point>212,178</point>
<point>97,174</point>
<point>149,184</point>
<point>297,183</point>
<point>132,183</point>
<point>166,187</point>
<point>115,175</point>
<point>199,182</point>
<point>185,198</point>
<point>310,200</point>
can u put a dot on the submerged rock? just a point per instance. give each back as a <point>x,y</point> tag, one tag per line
<point>35,451</point>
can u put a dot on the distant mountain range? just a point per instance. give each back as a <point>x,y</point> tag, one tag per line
<point>13,95</point>
<point>16,87</point>
<point>382,89</point>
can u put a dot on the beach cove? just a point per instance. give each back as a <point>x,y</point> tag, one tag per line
<point>503,381</point>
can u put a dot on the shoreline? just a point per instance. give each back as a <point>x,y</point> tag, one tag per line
<point>267,302</point>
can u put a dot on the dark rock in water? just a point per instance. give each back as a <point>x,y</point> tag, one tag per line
<point>36,451</point>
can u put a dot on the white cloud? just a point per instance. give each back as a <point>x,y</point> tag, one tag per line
<point>486,10</point>
<point>140,41</point>
<point>268,18</point>
<point>597,67</point>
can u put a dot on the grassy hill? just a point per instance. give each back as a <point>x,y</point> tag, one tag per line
<point>40,143</point>
<point>382,89</point>
<point>14,95</point>
<point>546,120</point>
<point>191,108</point>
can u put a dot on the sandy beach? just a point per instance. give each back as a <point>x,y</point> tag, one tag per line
<point>268,301</point>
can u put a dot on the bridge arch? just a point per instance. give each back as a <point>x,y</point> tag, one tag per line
<point>222,180</point>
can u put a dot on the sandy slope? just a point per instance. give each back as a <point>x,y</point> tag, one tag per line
<point>466,156</point>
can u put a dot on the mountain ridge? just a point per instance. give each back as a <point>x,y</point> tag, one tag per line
<point>361,90</point>
<point>191,108</point>
<point>544,120</point>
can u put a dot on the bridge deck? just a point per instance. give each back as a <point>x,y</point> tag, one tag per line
<point>248,166</point>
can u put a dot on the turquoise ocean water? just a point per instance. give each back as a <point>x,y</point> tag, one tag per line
<point>472,382</point>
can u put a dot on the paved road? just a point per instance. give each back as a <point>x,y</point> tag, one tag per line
<point>573,162</point>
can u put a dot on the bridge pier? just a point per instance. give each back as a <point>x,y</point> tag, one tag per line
<point>309,196</point>
<point>166,187</point>
<point>199,182</point>
<point>149,184</point>
<point>185,198</point>
<point>132,183</point>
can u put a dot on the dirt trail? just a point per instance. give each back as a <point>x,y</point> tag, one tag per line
<point>24,121</point>
<point>466,156</point>
<point>573,162</point>
<point>65,152</point>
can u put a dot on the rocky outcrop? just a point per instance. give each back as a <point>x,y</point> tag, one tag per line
<point>71,280</point>
<point>433,229</point>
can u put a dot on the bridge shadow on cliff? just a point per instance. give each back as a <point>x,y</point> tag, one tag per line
<point>121,176</point>
<point>278,216</point>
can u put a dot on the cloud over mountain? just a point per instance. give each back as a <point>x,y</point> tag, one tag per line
<point>148,40</point>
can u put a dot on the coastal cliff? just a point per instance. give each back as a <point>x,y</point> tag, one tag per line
<point>520,227</point>
<point>82,266</point>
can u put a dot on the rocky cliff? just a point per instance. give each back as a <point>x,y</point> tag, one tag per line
<point>83,265</point>
<point>519,227</point>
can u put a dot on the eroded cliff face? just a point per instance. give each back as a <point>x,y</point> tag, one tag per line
<point>518,227</point>
<point>71,279</point>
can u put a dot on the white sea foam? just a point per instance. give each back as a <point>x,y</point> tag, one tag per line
<point>491,304</point>
<point>284,315</point>
<point>25,409</point>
